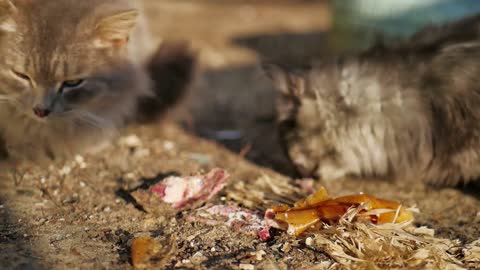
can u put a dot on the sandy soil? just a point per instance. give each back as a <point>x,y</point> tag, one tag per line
<point>79,214</point>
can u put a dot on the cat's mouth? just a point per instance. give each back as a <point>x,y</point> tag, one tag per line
<point>33,115</point>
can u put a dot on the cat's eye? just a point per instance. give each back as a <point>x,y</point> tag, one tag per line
<point>21,76</point>
<point>72,83</point>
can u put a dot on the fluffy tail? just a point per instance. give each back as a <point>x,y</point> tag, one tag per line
<point>172,70</point>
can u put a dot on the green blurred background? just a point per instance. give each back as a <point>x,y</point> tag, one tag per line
<point>355,22</point>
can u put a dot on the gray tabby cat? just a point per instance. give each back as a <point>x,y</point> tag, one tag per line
<point>406,112</point>
<point>71,73</point>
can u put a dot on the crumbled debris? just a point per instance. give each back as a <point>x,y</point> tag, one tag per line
<point>130,141</point>
<point>238,219</point>
<point>357,245</point>
<point>471,255</point>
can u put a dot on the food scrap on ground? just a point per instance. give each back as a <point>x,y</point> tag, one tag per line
<point>314,210</point>
<point>318,208</point>
<point>238,219</point>
<point>146,252</point>
<point>356,231</point>
<point>183,192</point>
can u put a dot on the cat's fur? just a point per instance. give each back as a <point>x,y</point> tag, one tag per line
<point>103,42</point>
<point>411,111</point>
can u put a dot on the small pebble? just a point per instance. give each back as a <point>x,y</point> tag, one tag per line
<point>25,235</point>
<point>198,258</point>
<point>286,247</point>
<point>309,241</point>
<point>82,184</point>
<point>66,170</point>
<point>168,145</point>
<point>43,180</point>
<point>277,246</point>
<point>41,221</point>
<point>131,141</point>
<point>140,153</point>
<point>213,249</point>
<point>58,237</point>
<point>245,266</point>
<point>130,176</point>
<point>149,222</point>
<point>1,206</point>
<point>107,209</point>
<point>80,161</point>
<point>259,255</point>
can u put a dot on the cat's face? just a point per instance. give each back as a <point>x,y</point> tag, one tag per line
<point>307,108</point>
<point>60,58</point>
<point>291,88</point>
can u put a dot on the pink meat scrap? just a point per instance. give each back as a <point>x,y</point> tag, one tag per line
<point>184,192</point>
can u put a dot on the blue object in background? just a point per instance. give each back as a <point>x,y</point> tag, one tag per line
<point>356,22</point>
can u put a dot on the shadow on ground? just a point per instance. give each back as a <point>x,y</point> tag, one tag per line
<point>235,106</point>
<point>146,182</point>
<point>15,252</point>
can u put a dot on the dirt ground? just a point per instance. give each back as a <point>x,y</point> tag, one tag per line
<point>79,214</point>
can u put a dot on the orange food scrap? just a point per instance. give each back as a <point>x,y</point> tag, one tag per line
<point>318,208</point>
<point>318,197</point>
<point>143,249</point>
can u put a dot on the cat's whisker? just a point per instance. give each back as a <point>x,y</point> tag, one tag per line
<point>95,121</point>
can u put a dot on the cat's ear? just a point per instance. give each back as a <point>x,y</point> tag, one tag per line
<point>7,13</point>
<point>113,31</point>
<point>286,81</point>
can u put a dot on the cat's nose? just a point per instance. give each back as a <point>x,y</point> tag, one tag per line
<point>40,112</point>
